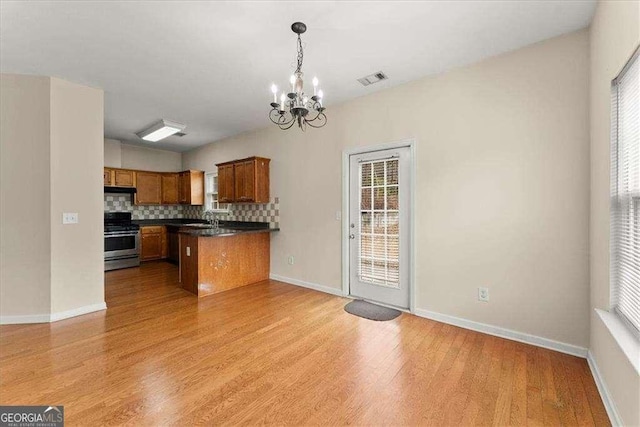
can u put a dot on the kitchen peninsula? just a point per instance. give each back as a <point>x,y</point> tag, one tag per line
<point>214,260</point>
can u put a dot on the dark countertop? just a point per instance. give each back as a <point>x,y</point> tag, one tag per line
<point>223,232</point>
<point>231,227</point>
<point>182,222</point>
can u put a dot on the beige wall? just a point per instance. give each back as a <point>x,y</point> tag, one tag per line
<point>501,197</point>
<point>149,159</point>
<point>77,260</point>
<point>25,233</point>
<point>614,35</point>
<point>112,153</point>
<point>51,148</point>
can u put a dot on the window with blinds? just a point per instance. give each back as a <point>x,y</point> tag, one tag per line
<point>625,194</point>
<point>379,256</point>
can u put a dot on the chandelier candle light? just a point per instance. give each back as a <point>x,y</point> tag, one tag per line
<point>296,107</point>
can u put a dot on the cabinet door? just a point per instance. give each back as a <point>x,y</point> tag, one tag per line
<point>196,188</point>
<point>148,188</point>
<point>164,249</point>
<point>183,191</point>
<point>123,178</point>
<point>249,181</point>
<point>170,183</point>
<point>262,181</point>
<point>226,183</point>
<point>107,177</point>
<point>151,246</point>
<point>239,179</point>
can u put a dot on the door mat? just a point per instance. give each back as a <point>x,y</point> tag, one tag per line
<point>370,311</point>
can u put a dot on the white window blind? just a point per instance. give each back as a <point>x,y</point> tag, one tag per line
<point>625,194</point>
<point>379,257</point>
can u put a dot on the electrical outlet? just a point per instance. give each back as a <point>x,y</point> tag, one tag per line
<point>188,251</point>
<point>483,294</point>
<point>70,218</point>
<point>338,215</point>
<point>290,260</point>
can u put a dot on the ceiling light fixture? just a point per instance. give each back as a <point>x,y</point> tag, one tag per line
<point>161,130</point>
<point>296,107</point>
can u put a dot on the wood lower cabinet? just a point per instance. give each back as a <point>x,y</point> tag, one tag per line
<point>123,178</point>
<point>148,188</point>
<point>191,188</point>
<point>153,243</point>
<point>170,188</point>
<point>244,181</point>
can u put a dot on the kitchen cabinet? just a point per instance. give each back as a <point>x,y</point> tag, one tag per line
<point>191,188</point>
<point>170,184</point>
<point>123,178</point>
<point>108,177</point>
<point>226,186</point>
<point>173,245</point>
<point>244,181</point>
<point>153,243</point>
<point>148,188</point>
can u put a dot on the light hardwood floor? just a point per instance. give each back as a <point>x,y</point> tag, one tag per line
<point>280,354</point>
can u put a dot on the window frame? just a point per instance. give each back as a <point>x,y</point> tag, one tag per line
<point>633,202</point>
<point>212,204</point>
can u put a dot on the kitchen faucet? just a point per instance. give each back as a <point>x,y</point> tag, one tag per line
<point>211,217</point>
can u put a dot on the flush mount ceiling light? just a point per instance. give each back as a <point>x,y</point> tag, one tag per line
<point>161,130</point>
<point>296,107</point>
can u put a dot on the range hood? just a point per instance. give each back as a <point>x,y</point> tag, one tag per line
<point>119,190</point>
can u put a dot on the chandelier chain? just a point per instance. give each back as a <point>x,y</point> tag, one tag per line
<point>300,54</point>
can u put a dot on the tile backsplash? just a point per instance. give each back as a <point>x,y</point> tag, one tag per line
<point>252,212</point>
<point>122,203</point>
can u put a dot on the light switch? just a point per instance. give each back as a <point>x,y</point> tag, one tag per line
<point>338,215</point>
<point>70,218</point>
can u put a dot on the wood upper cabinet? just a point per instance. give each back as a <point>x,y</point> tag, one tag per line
<point>244,181</point>
<point>226,186</point>
<point>191,187</point>
<point>170,188</point>
<point>108,177</point>
<point>149,188</point>
<point>152,243</point>
<point>124,178</point>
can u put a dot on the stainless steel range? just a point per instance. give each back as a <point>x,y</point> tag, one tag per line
<point>121,241</point>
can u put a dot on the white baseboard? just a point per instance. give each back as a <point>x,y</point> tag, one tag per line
<point>78,311</point>
<point>497,331</point>
<point>53,317</point>
<point>309,285</point>
<point>607,400</point>
<point>17,320</point>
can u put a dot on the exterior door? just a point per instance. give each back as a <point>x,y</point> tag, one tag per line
<point>379,208</point>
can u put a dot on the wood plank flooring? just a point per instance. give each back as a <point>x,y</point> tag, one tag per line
<point>274,353</point>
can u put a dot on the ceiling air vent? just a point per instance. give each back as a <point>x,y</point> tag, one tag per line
<point>373,78</point>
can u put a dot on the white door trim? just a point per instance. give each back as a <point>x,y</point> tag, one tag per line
<point>411,143</point>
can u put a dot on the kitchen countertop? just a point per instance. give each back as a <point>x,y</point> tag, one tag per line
<point>230,227</point>
<point>223,232</point>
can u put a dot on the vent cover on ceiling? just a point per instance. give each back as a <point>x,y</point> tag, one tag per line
<point>373,78</point>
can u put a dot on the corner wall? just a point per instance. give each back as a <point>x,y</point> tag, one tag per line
<point>502,162</point>
<point>51,147</point>
<point>77,250</point>
<point>25,233</point>
<point>614,35</point>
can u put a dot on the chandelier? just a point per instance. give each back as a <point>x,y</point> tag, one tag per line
<point>296,107</point>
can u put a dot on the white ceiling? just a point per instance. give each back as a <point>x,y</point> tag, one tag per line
<point>209,65</point>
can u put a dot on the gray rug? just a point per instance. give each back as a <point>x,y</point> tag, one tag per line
<point>371,311</point>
